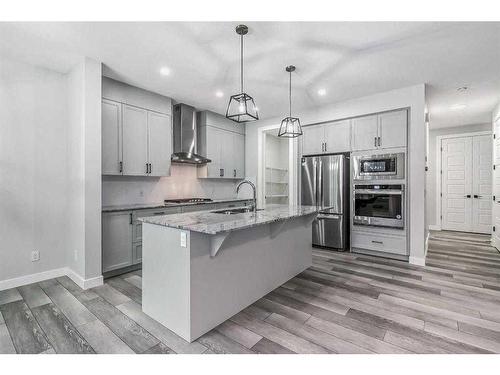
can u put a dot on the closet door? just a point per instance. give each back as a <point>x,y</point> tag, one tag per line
<point>456,184</point>
<point>482,183</point>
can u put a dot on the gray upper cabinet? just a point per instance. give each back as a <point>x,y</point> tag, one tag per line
<point>337,136</point>
<point>159,144</point>
<point>312,140</point>
<point>223,142</point>
<point>111,137</point>
<point>329,138</point>
<point>136,131</point>
<point>393,128</point>
<point>364,133</point>
<point>385,130</point>
<point>135,141</point>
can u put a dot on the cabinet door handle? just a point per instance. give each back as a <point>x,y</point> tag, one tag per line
<point>147,168</point>
<point>121,167</point>
<point>234,174</point>
<point>130,218</point>
<point>379,242</point>
<point>375,141</point>
<point>325,147</point>
<point>378,141</point>
<point>477,196</point>
<point>467,196</point>
<point>150,168</point>
<point>221,172</point>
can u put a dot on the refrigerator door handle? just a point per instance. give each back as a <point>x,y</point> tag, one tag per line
<point>319,184</point>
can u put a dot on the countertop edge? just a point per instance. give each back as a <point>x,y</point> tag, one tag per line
<point>243,226</point>
<point>153,206</point>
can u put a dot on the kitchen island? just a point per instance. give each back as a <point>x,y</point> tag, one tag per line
<point>201,268</point>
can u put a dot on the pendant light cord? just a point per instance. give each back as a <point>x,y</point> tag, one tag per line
<point>290,93</point>
<point>241,62</point>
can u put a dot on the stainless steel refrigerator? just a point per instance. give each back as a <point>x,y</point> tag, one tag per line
<point>325,184</point>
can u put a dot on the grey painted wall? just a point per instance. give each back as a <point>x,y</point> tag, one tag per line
<point>431,182</point>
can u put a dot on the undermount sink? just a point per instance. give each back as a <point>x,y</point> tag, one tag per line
<point>235,211</point>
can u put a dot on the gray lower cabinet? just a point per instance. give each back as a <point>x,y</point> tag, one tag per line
<point>116,240</point>
<point>122,232</point>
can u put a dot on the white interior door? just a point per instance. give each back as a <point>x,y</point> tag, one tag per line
<point>456,159</point>
<point>481,183</point>
<point>496,185</point>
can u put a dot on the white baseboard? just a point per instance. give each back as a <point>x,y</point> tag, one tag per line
<point>434,227</point>
<point>46,275</point>
<point>427,243</point>
<point>33,278</point>
<point>417,261</point>
<point>84,283</point>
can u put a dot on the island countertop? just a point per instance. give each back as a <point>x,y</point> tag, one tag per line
<point>209,222</point>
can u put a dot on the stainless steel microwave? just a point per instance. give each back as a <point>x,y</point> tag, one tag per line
<point>379,167</point>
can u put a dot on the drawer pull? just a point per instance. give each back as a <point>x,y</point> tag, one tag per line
<point>379,242</point>
<point>159,213</point>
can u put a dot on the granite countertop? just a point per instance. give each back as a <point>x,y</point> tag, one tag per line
<point>213,223</point>
<point>143,206</point>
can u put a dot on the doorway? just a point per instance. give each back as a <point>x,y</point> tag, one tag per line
<point>466,183</point>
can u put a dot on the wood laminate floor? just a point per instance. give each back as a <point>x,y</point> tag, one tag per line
<point>344,303</point>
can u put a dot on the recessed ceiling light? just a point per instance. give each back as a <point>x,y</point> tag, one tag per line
<point>321,92</point>
<point>219,94</point>
<point>456,107</point>
<point>165,71</point>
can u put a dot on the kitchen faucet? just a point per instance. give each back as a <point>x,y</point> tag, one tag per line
<point>254,207</point>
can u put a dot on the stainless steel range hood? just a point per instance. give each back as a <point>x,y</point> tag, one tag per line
<point>185,128</point>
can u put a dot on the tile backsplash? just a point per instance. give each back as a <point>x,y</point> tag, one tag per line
<point>182,183</point>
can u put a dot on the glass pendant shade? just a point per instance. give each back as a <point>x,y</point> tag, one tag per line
<point>241,107</point>
<point>290,126</point>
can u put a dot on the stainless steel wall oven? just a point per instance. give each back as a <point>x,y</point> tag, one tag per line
<point>379,205</point>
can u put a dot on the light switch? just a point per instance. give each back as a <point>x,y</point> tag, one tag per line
<point>183,239</point>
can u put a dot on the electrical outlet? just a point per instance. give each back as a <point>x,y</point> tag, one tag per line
<point>35,256</point>
<point>183,239</point>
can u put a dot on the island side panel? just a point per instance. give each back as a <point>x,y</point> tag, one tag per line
<point>166,277</point>
<point>251,263</point>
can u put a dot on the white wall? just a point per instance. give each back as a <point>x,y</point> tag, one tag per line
<point>432,174</point>
<point>50,172</point>
<point>33,169</point>
<point>412,97</point>
<point>84,169</point>
<point>182,183</point>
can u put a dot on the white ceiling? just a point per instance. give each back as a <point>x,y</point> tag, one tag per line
<point>348,59</point>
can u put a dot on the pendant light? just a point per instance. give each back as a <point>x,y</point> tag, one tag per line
<point>290,126</point>
<point>241,107</point>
